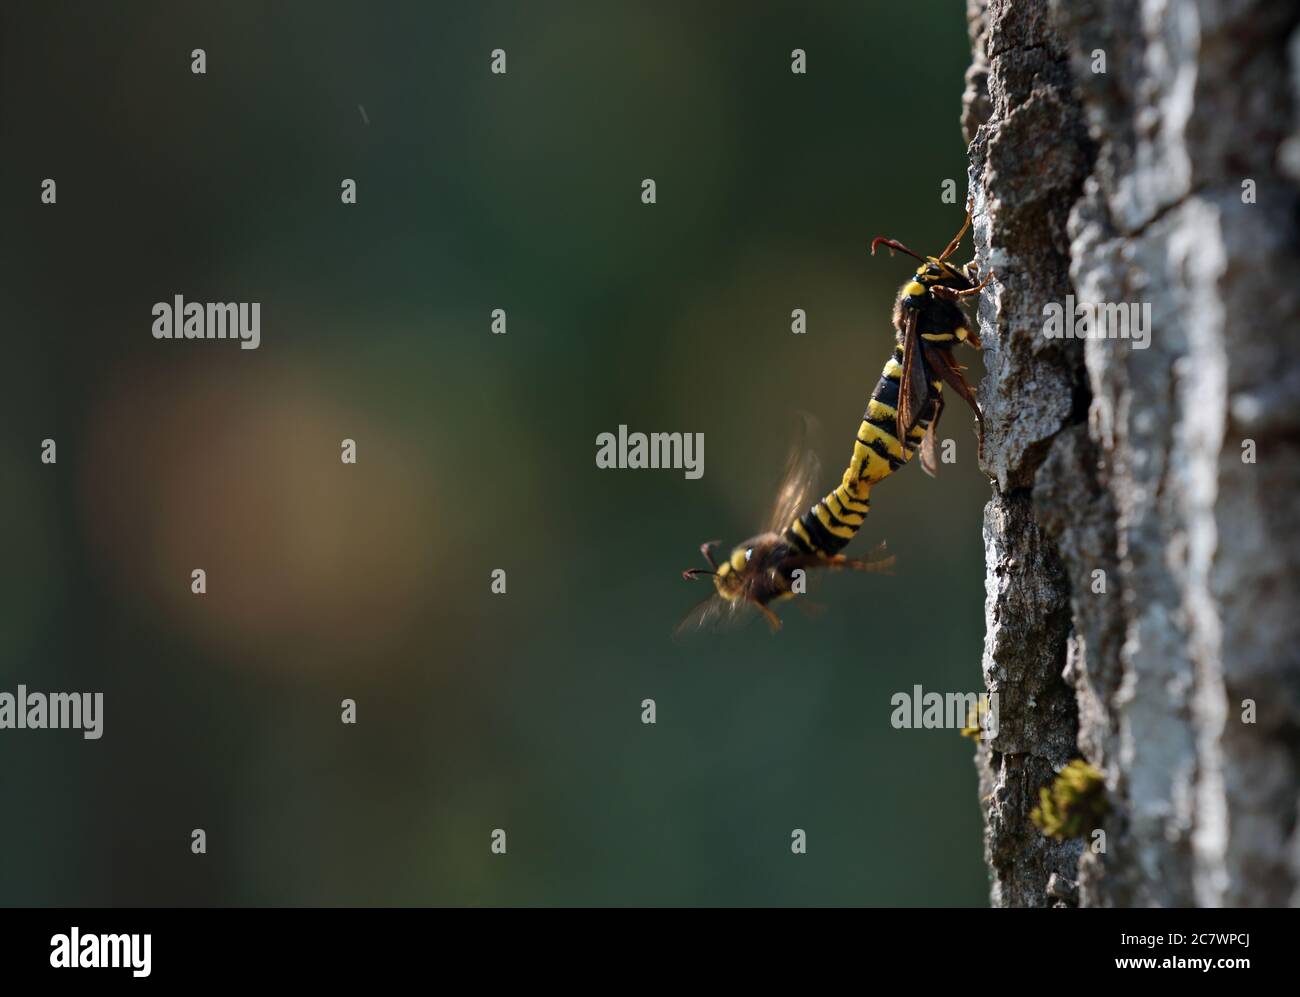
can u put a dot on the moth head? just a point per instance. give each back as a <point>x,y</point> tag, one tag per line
<point>937,271</point>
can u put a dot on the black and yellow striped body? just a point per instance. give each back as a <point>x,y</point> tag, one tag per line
<point>928,324</point>
<point>828,526</point>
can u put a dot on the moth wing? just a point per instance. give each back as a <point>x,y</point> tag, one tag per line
<point>797,481</point>
<point>912,387</point>
<point>952,375</point>
<point>929,463</point>
<point>713,613</point>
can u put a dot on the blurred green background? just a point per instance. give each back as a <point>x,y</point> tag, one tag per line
<point>475,452</point>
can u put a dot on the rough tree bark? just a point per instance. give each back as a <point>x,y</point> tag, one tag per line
<point>1128,185</point>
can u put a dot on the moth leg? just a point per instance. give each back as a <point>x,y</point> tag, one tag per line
<point>841,561</point>
<point>773,620</point>
<point>955,296</point>
<point>956,239</point>
<point>977,288</point>
<point>941,362</point>
<point>884,565</point>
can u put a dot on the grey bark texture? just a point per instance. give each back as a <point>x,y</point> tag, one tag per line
<point>1141,569</point>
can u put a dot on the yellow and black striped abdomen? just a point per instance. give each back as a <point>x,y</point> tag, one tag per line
<point>828,526</point>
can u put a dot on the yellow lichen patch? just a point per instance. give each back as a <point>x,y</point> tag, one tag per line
<point>973,730</point>
<point>1073,805</point>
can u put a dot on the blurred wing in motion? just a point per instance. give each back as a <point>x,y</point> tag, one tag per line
<point>798,480</point>
<point>714,613</point>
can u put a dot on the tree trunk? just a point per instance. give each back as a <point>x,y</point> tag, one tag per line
<point>1141,541</point>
